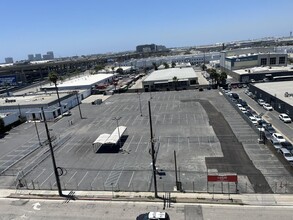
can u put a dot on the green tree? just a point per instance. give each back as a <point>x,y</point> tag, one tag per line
<point>99,67</point>
<point>53,77</point>
<point>175,81</point>
<point>173,64</point>
<point>223,77</point>
<point>155,66</point>
<point>120,71</point>
<point>213,75</point>
<point>166,65</point>
<point>203,67</point>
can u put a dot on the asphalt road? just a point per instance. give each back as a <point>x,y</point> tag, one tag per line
<point>56,209</point>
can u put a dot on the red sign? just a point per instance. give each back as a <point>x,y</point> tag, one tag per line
<point>226,178</point>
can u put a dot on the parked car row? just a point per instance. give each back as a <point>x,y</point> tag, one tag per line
<point>283,146</point>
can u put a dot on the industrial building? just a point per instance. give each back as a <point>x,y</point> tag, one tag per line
<point>265,73</point>
<point>82,83</point>
<point>278,94</point>
<point>29,106</point>
<point>234,62</point>
<point>170,79</point>
<point>249,64</point>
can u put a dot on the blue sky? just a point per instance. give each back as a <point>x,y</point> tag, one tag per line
<point>82,27</point>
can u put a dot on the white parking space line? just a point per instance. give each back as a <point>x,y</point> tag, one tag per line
<point>95,178</point>
<point>37,176</point>
<point>138,144</point>
<point>71,177</point>
<point>134,120</point>
<point>129,143</point>
<point>82,178</point>
<point>46,178</point>
<point>131,179</point>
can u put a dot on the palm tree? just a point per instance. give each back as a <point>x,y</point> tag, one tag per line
<point>223,77</point>
<point>213,75</point>
<point>53,77</point>
<point>166,65</point>
<point>175,80</point>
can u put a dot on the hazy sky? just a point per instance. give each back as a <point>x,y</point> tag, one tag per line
<point>82,27</point>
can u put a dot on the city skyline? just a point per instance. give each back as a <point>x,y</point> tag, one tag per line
<point>75,28</point>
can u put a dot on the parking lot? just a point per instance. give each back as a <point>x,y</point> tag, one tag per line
<point>183,121</point>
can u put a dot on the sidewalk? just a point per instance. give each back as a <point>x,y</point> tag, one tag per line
<point>176,197</point>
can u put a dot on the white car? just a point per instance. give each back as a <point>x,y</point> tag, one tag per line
<point>287,155</point>
<point>261,102</point>
<point>267,107</point>
<point>276,137</point>
<point>257,117</point>
<point>239,105</point>
<point>253,120</point>
<point>285,118</point>
<point>243,110</point>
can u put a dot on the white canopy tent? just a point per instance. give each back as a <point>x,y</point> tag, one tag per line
<point>111,139</point>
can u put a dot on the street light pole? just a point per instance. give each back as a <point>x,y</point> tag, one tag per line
<point>139,103</point>
<point>37,133</point>
<point>52,155</point>
<point>153,152</point>
<point>76,94</point>
<point>117,119</point>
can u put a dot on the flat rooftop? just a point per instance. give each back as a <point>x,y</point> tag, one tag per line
<point>278,89</point>
<point>168,74</point>
<point>253,54</point>
<point>87,80</point>
<point>40,99</point>
<point>266,69</point>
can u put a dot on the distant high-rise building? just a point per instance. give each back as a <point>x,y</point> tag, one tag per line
<point>31,57</point>
<point>8,60</point>
<point>150,48</point>
<point>38,57</point>
<point>46,57</point>
<point>51,55</point>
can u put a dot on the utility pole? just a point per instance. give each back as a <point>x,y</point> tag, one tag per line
<point>139,103</point>
<point>153,152</point>
<point>76,94</point>
<point>37,133</point>
<point>52,155</point>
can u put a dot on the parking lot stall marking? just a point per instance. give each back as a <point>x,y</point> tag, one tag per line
<point>127,120</point>
<point>95,178</point>
<point>34,180</point>
<point>134,120</point>
<point>47,179</point>
<point>114,176</point>
<point>71,178</point>
<point>128,144</point>
<point>130,180</point>
<point>138,144</point>
<point>74,144</point>
<point>82,178</point>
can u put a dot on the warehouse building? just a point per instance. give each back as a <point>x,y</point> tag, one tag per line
<point>83,83</point>
<point>29,106</point>
<point>265,73</point>
<point>278,94</point>
<point>170,79</point>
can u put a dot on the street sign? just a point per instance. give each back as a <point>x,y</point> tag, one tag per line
<point>223,178</point>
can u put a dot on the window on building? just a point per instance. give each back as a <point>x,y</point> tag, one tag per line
<point>273,61</point>
<point>281,60</point>
<point>263,61</point>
